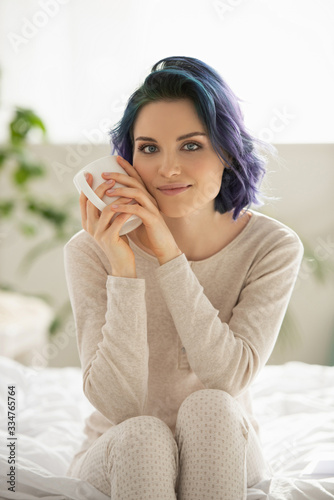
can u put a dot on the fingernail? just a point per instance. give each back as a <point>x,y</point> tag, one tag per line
<point>110,191</point>
<point>86,176</point>
<point>110,181</point>
<point>107,174</point>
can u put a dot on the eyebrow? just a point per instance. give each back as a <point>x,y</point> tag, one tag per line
<point>186,136</point>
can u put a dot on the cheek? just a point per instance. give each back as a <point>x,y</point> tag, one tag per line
<point>207,174</point>
<point>210,181</point>
<point>139,167</point>
<point>144,173</point>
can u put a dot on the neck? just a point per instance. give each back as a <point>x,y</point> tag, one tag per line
<point>201,234</point>
<point>196,234</point>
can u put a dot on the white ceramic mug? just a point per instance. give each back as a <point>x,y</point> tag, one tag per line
<point>96,168</point>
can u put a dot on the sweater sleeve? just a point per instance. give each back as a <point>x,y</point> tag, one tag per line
<point>111,327</point>
<point>227,356</point>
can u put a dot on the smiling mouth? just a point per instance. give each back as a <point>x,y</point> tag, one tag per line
<point>173,187</point>
<point>174,191</point>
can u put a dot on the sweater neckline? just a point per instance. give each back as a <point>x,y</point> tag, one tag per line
<point>241,235</point>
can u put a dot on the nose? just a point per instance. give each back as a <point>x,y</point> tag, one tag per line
<point>169,166</point>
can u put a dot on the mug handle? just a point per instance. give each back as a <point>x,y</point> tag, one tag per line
<point>82,185</point>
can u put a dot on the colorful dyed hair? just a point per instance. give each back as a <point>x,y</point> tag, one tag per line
<point>217,106</point>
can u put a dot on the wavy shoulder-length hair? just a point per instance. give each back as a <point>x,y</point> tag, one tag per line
<point>218,108</point>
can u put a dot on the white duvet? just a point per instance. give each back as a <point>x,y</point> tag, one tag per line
<point>294,404</point>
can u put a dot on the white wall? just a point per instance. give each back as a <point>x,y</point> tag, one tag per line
<point>80,59</point>
<point>303,181</point>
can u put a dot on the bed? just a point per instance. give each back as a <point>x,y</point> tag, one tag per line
<point>294,404</point>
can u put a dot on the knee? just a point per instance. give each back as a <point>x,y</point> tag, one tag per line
<point>144,432</point>
<point>208,405</point>
<point>207,400</point>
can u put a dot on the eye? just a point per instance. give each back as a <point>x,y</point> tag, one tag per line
<point>197,146</point>
<point>144,146</point>
<point>147,148</point>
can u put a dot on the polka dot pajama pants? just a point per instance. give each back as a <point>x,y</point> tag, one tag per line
<point>215,454</point>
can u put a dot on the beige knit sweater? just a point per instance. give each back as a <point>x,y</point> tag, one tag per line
<point>146,343</point>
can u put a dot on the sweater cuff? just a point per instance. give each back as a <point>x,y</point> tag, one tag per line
<point>119,283</point>
<point>179,264</point>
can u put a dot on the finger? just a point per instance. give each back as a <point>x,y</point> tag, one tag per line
<point>100,191</point>
<point>127,181</point>
<point>140,196</point>
<point>118,222</point>
<point>134,209</point>
<point>124,179</point>
<point>123,200</point>
<point>93,212</point>
<point>105,221</point>
<point>129,169</point>
<point>103,188</point>
<point>117,225</point>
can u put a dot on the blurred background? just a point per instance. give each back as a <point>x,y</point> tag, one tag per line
<point>67,70</point>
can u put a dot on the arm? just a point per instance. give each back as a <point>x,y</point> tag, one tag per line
<point>110,317</point>
<point>223,355</point>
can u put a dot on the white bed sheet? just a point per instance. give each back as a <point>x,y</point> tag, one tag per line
<point>294,404</point>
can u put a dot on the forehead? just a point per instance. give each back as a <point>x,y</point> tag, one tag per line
<point>167,116</point>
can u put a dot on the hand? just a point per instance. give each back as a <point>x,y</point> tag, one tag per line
<point>160,238</point>
<point>106,233</point>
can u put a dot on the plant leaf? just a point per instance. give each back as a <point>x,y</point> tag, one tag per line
<point>24,121</point>
<point>48,212</point>
<point>26,171</point>
<point>6,208</point>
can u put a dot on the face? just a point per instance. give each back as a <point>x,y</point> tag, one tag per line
<point>162,156</point>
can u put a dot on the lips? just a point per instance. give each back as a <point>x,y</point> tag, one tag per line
<point>174,191</point>
<point>173,186</point>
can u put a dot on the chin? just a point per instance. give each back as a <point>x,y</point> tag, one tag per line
<point>176,212</point>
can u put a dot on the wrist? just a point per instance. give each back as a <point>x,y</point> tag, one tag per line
<point>125,274</point>
<point>170,256</point>
<point>128,272</point>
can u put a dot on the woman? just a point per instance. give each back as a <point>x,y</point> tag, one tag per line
<point>176,318</point>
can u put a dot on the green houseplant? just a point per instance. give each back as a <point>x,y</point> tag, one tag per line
<point>30,213</point>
